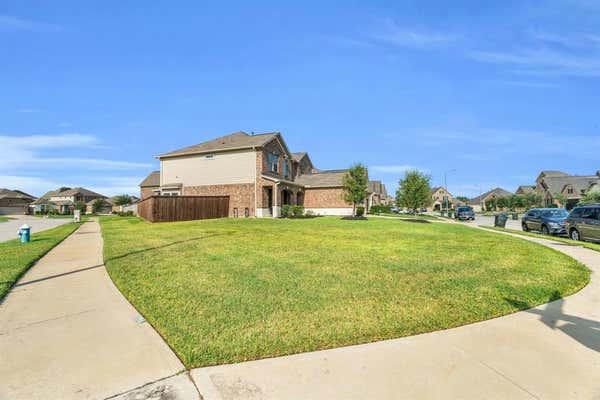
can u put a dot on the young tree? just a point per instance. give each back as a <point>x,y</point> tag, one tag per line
<point>355,184</point>
<point>591,196</point>
<point>462,199</point>
<point>97,205</point>
<point>122,200</point>
<point>562,199</point>
<point>414,191</point>
<point>79,205</point>
<point>502,202</point>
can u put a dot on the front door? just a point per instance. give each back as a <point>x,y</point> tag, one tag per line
<point>270,199</point>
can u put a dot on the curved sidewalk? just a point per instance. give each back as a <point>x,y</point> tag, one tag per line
<point>66,332</point>
<point>549,352</point>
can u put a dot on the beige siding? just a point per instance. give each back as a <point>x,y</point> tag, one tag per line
<point>223,168</point>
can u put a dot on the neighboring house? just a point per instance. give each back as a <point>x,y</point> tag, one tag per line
<point>257,172</point>
<point>62,199</point>
<point>479,203</point>
<point>150,185</point>
<point>377,194</point>
<point>14,201</point>
<point>439,196</point>
<point>572,187</point>
<point>105,208</point>
<point>525,189</point>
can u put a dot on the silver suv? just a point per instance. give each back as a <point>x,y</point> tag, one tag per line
<point>583,223</point>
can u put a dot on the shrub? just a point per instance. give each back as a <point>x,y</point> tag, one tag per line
<point>309,213</point>
<point>376,209</point>
<point>360,211</point>
<point>286,211</point>
<point>298,211</point>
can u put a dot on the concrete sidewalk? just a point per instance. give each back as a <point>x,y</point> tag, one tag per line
<point>66,332</point>
<point>549,352</point>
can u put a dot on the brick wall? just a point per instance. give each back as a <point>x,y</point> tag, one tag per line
<point>241,196</point>
<point>325,198</point>
<point>147,191</point>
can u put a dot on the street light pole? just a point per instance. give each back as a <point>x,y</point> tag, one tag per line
<point>446,189</point>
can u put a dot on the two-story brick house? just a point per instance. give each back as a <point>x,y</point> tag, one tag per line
<point>257,172</point>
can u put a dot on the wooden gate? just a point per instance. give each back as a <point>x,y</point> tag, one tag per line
<point>183,208</point>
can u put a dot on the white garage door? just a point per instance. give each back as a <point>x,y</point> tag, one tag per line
<point>11,210</point>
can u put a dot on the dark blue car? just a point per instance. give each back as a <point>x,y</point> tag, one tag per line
<point>548,221</point>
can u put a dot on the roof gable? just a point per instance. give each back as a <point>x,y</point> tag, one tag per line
<point>234,141</point>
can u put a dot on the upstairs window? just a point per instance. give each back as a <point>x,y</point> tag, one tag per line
<point>285,168</point>
<point>273,161</point>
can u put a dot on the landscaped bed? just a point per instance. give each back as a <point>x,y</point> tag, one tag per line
<point>223,291</point>
<point>17,257</point>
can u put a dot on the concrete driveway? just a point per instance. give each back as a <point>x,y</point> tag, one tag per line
<point>9,229</point>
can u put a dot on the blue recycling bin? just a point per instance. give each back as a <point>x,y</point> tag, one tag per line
<point>25,233</point>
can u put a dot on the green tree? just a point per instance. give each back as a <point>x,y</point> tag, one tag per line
<point>79,205</point>
<point>516,201</point>
<point>591,196</point>
<point>97,205</point>
<point>562,199</point>
<point>462,199</point>
<point>414,191</point>
<point>532,200</point>
<point>123,200</point>
<point>502,202</point>
<point>355,184</point>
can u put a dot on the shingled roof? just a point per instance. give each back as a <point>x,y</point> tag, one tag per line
<point>15,194</point>
<point>152,180</point>
<point>498,192</point>
<point>525,189</point>
<point>556,184</point>
<point>332,178</point>
<point>234,141</point>
<point>298,156</point>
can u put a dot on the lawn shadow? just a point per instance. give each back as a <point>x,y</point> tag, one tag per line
<point>417,220</point>
<point>164,246</point>
<point>583,330</point>
<point>57,275</point>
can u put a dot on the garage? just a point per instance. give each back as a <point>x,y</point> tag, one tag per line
<point>14,202</point>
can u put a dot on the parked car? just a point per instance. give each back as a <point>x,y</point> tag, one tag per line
<point>583,223</point>
<point>548,221</point>
<point>465,213</point>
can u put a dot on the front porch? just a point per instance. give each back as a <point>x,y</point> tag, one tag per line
<point>276,195</point>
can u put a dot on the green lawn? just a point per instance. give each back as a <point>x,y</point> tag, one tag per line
<point>4,219</point>
<point>223,291</point>
<point>17,257</point>
<point>592,246</point>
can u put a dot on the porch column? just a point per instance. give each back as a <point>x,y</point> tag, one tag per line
<point>276,208</point>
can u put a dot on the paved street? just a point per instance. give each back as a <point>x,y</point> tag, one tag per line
<point>489,221</point>
<point>9,229</point>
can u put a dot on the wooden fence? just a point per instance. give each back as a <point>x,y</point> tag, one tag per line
<point>183,208</point>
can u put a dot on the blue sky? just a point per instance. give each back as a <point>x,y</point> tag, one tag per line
<point>493,91</point>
